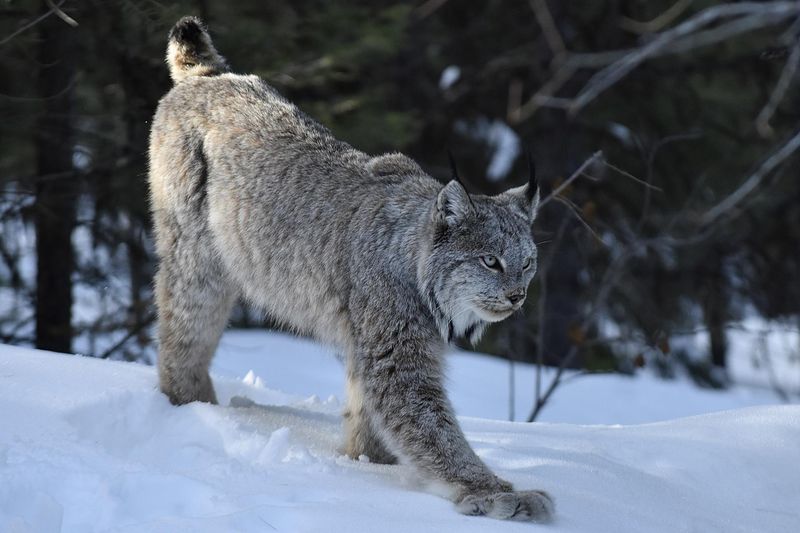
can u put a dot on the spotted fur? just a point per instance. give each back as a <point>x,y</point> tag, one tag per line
<point>251,198</point>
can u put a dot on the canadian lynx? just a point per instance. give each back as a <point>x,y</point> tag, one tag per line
<point>252,198</point>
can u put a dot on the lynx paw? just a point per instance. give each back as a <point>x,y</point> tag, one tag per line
<point>188,388</point>
<point>525,505</point>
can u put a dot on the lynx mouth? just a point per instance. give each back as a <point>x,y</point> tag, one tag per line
<point>493,314</point>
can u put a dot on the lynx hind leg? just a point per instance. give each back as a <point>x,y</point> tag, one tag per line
<point>194,299</point>
<point>528,505</point>
<point>360,434</point>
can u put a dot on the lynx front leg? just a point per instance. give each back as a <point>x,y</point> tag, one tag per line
<point>403,391</point>
<point>362,439</point>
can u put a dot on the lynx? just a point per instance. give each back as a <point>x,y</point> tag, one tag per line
<point>252,198</point>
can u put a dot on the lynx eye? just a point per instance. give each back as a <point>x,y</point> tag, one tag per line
<point>491,262</point>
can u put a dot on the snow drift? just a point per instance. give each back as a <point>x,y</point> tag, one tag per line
<point>90,445</point>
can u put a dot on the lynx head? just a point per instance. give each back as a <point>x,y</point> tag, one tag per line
<point>482,256</point>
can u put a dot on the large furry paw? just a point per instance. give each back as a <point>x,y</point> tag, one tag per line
<point>524,505</point>
<point>188,389</point>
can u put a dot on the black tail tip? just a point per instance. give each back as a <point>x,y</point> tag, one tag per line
<point>188,30</point>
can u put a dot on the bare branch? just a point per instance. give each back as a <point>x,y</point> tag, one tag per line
<point>544,269</point>
<point>778,157</point>
<point>689,35</point>
<point>575,210</point>
<point>132,332</point>
<point>791,34</point>
<point>752,15</point>
<point>556,381</point>
<point>548,25</point>
<point>544,96</point>
<point>597,156</point>
<point>514,100</point>
<point>63,16</point>
<point>610,279</point>
<point>32,23</point>
<point>762,121</point>
<point>662,20</point>
<point>632,177</point>
<point>719,33</point>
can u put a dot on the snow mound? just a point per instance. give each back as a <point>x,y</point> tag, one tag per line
<point>91,445</point>
<point>477,385</point>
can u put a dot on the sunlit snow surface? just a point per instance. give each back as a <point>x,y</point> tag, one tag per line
<point>88,445</point>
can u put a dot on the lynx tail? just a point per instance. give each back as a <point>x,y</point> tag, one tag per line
<point>191,53</point>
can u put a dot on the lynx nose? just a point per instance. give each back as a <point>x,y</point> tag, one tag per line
<point>515,296</point>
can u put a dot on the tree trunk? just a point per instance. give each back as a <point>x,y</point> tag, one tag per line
<point>715,310</point>
<point>716,320</point>
<point>56,189</point>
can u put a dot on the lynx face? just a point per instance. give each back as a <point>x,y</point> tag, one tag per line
<point>483,255</point>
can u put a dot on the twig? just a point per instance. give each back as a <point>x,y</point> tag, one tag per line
<point>791,34</point>
<point>787,75</point>
<point>733,199</point>
<point>656,24</point>
<point>548,25</point>
<point>632,177</point>
<point>11,336</point>
<point>616,64</point>
<point>719,33</point>
<point>63,16</point>
<point>575,175</point>
<point>753,15</point>
<point>32,23</point>
<point>651,158</point>
<point>514,100</point>
<point>576,211</point>
<point>773,379</point>
<point>614,270</point>
<point>511,390</point>
<point>543,272</point>
<point>583,373</point>
<point>544,96</point>
<point>540,402</point>
<point>131,333</point>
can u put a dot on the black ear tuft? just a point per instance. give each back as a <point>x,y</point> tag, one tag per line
<point>454,175</point>
<point>533,182</point>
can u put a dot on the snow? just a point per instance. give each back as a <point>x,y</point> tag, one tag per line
<point>623,133</point>
<point>478,385</point>
<point>502,141</point>
<point>89,445</point>
<point>761,352</point>
<point>450,76</point>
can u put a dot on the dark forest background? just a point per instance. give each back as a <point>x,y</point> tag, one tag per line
<point>688,221</point>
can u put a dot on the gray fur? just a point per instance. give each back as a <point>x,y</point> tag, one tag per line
<point>251,198</point>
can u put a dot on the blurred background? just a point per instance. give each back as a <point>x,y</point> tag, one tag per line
<point>665,133</point>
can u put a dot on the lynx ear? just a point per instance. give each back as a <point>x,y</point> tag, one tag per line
<point>521,197</point>
<point>527,196</point>
<point>453,204</point>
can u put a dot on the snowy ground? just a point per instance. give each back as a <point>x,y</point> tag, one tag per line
<point>479,385</point>
<point>88,445</point>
